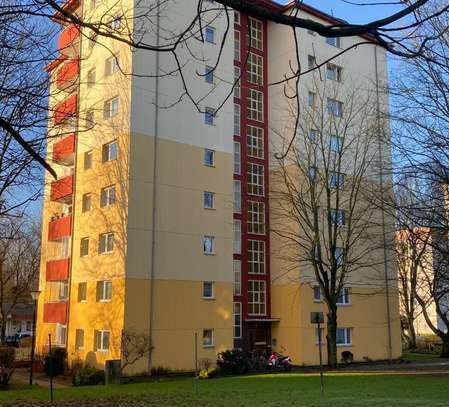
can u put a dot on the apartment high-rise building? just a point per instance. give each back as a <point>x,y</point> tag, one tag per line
<point>159,222</point>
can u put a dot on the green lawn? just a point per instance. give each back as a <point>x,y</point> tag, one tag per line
<point>419,357</point>
<point>342,390</point>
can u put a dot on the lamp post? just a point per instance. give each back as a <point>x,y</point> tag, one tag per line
<point>35,297</point>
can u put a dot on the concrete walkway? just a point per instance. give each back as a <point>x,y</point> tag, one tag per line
<point>23,376</point>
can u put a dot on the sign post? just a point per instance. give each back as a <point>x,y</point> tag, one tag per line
<point>317,318</point>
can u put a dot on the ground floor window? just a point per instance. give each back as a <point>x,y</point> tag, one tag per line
<point>79,339</point>
<point>61,334</point>
<point>344,336</point>
<point>237,320</point>
<point>102,341</point>
<point>208,338</point>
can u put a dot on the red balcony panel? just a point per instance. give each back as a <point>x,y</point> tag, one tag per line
<point>55,312</point>
<point>65,109</point>
<point>55,63</point>
<point>59,228</point>
<point>62,189</point>
<point>67,38</point>
<point>68,73</point>
<point>58,270</point>
<point>64,150</point>
<point>70,6</point>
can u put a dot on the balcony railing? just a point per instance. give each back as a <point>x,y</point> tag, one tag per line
<point>67,74</point>
<point>57,270</point>
<point>64,150</point>
<point>59,228</point>
<point>65,109</point>
<point>55,312</point>
<point>62,189</point>
<point>68,39</point>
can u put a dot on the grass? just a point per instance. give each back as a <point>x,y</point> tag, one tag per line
<point>419,357</point>
<point>279,390</point>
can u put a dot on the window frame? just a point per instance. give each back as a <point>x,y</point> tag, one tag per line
<point>100,340</point>
<point>237,320</point>
<point>82,292</point>
<point>211,343</point>
<point>84,247</point>
<point>255,142</point>
<point>255,105</point>
<point>257,297</point>
<point>212,290</point>
<point>211,239</point>
<point>106,246</point>
<point>108,196</point>
<point>237,236</point>
<point>255,179</point>
<point>256,257</point>
<point>256,219</point>
<point>212,200</point>
<point>104,291</point>
<point>212,154</point>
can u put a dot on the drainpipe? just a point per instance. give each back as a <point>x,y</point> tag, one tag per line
<point>381,175</point>
<point>155,178</point>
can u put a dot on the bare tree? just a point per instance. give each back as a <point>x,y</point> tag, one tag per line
<point>135,346</point>
<point>19,264</point>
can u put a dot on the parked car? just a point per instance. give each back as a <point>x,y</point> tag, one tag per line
<point>15,339</point>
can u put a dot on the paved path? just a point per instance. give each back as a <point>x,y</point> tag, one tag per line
<point>21,376</point>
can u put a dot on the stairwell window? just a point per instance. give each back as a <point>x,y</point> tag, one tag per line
<point>254,69</point>
<point>336,180</point>
<point>311,99</point>
<point>344,336</point>
<point>255,105</point>
<point>209,74</point>
<point>255,39</point>
<point>256,297</point>
<point>110,108</point>
<point>104,291</point>
<point>256,217</point>
<point>63,290</point>
<point>208,245</point>
<point>109,151</point>
<point>237,236</point>
<point>237,88</point>
<point>107,196</point>
<point>255,142</point>
<point>101,341</point>
<point>106,243</point>
<point>237,314</point>
<point>236,119</point>
<point>336,144</point>
<point>84,247</point>
<point>256,257</point>
<point>317,294</point>
<point>337,217</point>
<point>111,65</point>
<point>237,164</point>
<point>311,62</point>
<point>237,268</point>
<point>237,196</point>
<point>255,179</point>
<point>90,119</point>
<point>61,335</point>
<point>237,45</point>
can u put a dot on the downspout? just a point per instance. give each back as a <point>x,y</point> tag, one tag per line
<point>381,174</point>
<point>155,178</point>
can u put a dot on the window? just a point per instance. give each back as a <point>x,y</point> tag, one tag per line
<point>84,247</point>
<point>237,236</point>
<point>64,247</point>
<point>237,45</point>
<point>104,291</point>
<point>87,203</point>
<point>107,196</point>
<point>208,200</point>
<point>337,217</point>
<point>91,78</point>
<point>337,180</point>
<point>237,266</point>
<point>236,119</point>
<point>334,41</point>
<point>237,166</point>
<point>116,23</point>
<point>255,179</point>
<point>237,196</point>
<point>61,334</point>
<point>333,72</point>
<point>87,160</point>
<point>237,325</point>
<point>110,108</point>
<point>92,40</point>
<point>208,244</point>
<point>313,136</point>
<point>209,115</point>
<point>256,217</point>
<point>101,341</point>
<point>334,107</point>
<point>208,289</point>
<point>79,339</point>
<point>344,336</point>
<point>209,156</point>
<point>311,62</point>
<point>311,99</point>
<point>254,142</point>
<point>255,34</point>
<point>256,297</point>
<point>106,244</point>
<point>109,151</point>
<point>254,69</point>
<point>339,256</point>
<point>208,338</point>
<point>255,105</point>
<point>236,17</point>
<point>82,292</point>
<point>317,294</point>
<point>90,119</point>
<point>237,88</point>
<point>111,65</point>
<point>343,298</point>
<point>63,290</point>
<point>256,257</point>
<point>209,74</point>
<point>335,144</point>
<point>210,34</point>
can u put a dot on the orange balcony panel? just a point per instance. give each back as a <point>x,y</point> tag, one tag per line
<point>55,312</point>
<point>70,6</point>
<point>59,228</point>
<point>64,150</point>
<point>62,189</point>
<point>67,38</point>
<point>65,109</point>
<point>57,270</point>
<point>68,73</point>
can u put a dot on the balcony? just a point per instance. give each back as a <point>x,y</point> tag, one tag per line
<point>68,40</point>
<point>64,151</point>
<point>70,6</point>
<point>62,189</point>
<point>67,74</point>
<point>59,228</point>
<point>65,109</point>
<point>55,312</point>
<point>57,270</point>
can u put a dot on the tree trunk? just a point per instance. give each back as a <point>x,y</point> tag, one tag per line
<point>445,347</point>
<point>411,334</point>
<point>3,331</point>
<point>332,338</point>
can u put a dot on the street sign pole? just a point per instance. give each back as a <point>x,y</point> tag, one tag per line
<point>317,318</point>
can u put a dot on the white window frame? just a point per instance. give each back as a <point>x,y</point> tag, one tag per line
<point>254,69</point>
<point>109,151</point>
<point>311,62</point>
<point>211,240</point>
<point>255,141</point>
<point>311,99</point>
<point>212,290</point>
<point>256,256</point>
<point>208,200</point>
<point>86,205</point>
<point>209,116</point>
<point>335,144</point>
<point>237,236</point>
<point>334,107</point>
<point>337,216</point>
<point>256,217</point>
<point>209,34</point>
<point>257,297</point>
<point>237,320</point>
<point>317,293</point>
<point>334,41</point>
<point>111,65</point>
<point>212,153</point>
<point>209,76</point>
<point>100,341</point>
<point>82,292</point>
<point>209,343</point>
<point>334,72</point>
<point>111,108</point>
<point>237,196</point>
<point>236,119</point>
<point>237,44</point>
<point>104,291</point>
<point>256,179</point>
<point>61,334</point>
<point>237,79</point>
<point>107,196</point>
<point>255,105</point>
<point>344,299</point>
<point>88,160</point>
<point>79,337</point>
<point>255,36</point>
<point>237,158</point>
<point>106,243</point>
<point>347,337</point>
<point>84,247</point>
<point>237,269</point>
<point>336,180</point>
